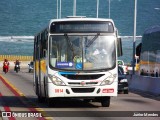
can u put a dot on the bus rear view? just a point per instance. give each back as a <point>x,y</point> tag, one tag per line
<point>80,61</point>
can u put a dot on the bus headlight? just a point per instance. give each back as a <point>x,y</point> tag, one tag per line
<point>55,80</point>
<point>109,80</point>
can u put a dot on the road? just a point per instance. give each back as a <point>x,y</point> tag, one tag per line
<point>123,107</point>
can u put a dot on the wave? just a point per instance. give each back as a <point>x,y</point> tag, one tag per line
<point>157,8</point>
<point>17,38</point>
<point>130,36</point>
<point>31,38</point>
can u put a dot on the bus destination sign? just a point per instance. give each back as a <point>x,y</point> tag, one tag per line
<point>81,27</point>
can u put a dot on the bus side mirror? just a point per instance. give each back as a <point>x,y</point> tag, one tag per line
<point>119,47</point>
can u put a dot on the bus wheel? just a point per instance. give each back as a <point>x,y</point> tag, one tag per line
<point>86,100</point>
<point>105,101</point>
<point>51,102</point>
<point>41,99</point>
<point>125,91</point>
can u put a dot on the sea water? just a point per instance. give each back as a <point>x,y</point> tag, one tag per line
<point>20,20</point>
<point>23,45</point>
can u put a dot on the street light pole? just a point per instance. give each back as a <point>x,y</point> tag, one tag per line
<point>109,8</point>
<point>134,37</point>
<point>97,7</point>
<point>60,9</point>
<point>57,9</point>
<point>74,8</point>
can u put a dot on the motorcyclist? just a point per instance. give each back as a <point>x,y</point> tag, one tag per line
<point>17,62</point>
<point>5,65</point>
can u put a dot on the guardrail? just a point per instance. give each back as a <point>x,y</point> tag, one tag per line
<point>146,84</point>
<point>15,57</point>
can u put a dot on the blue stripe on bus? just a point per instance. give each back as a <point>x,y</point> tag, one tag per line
<point>67,73</point>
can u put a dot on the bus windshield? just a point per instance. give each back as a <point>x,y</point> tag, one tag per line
<point>79,52</point>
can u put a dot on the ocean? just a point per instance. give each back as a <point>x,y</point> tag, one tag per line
<point>20,20</point>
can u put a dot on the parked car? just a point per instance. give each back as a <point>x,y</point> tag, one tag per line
<point>122,81</point>
<point>30,68</point>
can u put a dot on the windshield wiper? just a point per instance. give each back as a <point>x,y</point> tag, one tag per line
<point>91,41</point>
<point>69,42</point>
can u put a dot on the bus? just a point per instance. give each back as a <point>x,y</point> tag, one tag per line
<point>149,52</point>
<point>77,58</point>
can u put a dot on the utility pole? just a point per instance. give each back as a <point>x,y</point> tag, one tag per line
<point>134,37</point>
<point>97,7</point>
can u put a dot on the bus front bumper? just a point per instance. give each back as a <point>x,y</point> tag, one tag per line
<point>81,91</point>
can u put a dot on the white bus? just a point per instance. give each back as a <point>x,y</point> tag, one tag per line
<point>76,58</point>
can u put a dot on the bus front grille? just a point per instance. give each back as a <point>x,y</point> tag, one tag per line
<point>82,90</point>
<point>79,83</point>
<point>83,77</point>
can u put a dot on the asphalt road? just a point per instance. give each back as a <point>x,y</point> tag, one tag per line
<point>132,106</point>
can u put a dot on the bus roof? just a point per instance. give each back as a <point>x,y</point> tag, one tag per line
<point>80,19</point>
<point>150,39</point>
<point>152,29</point>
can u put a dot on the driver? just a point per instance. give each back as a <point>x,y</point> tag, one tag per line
<point>78,62</point>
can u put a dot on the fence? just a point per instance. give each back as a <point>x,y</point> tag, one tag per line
<point>15,57</point>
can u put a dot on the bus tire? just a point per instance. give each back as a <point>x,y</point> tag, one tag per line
<point>125,91</point>
<point>45,88</point>
<point>36,85</point>
<point>86,100</point>
<point>41,99</point>
<point>105,101</point>
<point>51,102</point>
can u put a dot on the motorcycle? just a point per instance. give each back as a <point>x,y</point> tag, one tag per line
<point>17,68</point>
<point>5,68</point>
